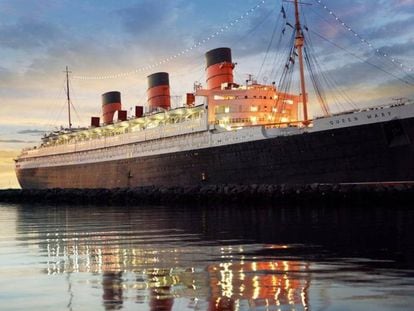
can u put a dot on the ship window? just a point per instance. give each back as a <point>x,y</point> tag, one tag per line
<point>222,109</point>
<point>219,97</point>
<point>245,97</point>
<point>254,108</point>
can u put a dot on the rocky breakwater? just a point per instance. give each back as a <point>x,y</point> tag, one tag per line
<point>395,194</point>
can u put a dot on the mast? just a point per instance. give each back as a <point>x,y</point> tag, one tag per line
<point>68,95</point>
<point>299,41</point>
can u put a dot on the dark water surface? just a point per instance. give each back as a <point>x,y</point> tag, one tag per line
<point>206,258</point>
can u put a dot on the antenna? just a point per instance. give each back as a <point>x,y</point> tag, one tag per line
<point>68,94</point>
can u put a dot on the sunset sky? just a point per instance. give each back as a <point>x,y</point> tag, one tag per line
<point>96,38</point>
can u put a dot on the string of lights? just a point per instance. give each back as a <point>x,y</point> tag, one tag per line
<point>362,39</point>
<point>168,59</point>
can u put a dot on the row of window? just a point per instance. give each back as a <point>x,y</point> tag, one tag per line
<point>253,108</point>
<point>240,120</point>
<point>119,151</point>
<point>219,97</point>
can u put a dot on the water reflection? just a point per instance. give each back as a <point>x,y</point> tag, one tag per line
<point>226,283</point>
<point>160,258</point>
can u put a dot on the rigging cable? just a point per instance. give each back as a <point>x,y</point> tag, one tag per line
<point>223,29</point>
<point>361,59</point>
<point>54,116</point>
<point>314,73</point>
<point>324,74</point>
<point>316,84</point>
<point>285,81</point>
<point>279,61</point>
<point>269,46</point>
<point>249,33</point>
<point>364,41</point>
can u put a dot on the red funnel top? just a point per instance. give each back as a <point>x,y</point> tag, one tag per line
<point>219,68</point>
<point>158,91</point>
<point>111,102</point>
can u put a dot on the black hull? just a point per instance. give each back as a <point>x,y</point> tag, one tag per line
<point>373,153</point>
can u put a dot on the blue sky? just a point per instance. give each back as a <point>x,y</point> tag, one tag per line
<point>39,38</point>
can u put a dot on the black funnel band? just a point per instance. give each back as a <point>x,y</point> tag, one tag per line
<point>111,97</point>
<point>218,56</point>
<point>157,79</point>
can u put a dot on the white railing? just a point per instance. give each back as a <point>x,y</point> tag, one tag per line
<point>163,131</point>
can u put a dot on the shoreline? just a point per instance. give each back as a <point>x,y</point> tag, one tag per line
<point>339,194</point>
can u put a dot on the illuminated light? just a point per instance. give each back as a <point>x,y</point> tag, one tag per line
<point>226,109</point>
<point>256,286</point>
<point>254,266</point>
<point>274,109</point>
<point>254,108</point>
<point>253,120</point>
<point>284,120</point>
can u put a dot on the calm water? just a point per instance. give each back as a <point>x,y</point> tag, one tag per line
<point>206,258</point>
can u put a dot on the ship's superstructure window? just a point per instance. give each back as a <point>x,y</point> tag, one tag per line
<point>252,110</point>
<point>226,97</point>
<point>222,109</point>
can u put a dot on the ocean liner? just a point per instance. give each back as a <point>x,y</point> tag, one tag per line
<point>225,133</point>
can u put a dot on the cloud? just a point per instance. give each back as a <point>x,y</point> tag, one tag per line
<point>392,29</point>
<point>146,16</point>
<point>155,25</point>
<point>398,49</point>
<point>404,3</point>
<point>16,141</point>
<point>120,37</point>
<point>34,132</point>
<point>28,33</point>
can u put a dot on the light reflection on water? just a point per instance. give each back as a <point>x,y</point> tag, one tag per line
<point>205,258</point>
